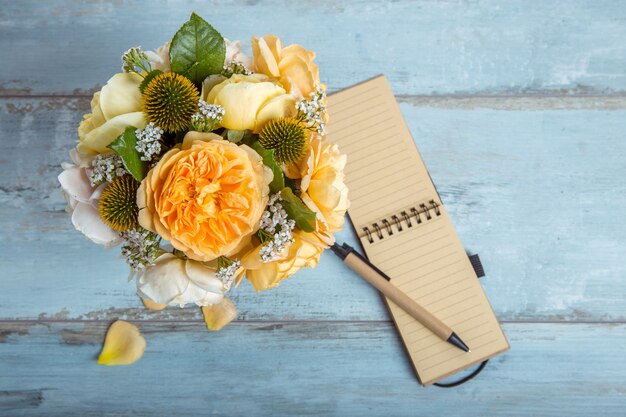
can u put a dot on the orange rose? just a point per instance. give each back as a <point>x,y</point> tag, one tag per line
<point>293,66</point>
<point>305,251</point>
<point>205,196</point>
<point>322,188</point>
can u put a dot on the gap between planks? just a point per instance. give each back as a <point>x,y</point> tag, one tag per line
<point>560,100</point>
<point>299,321</point>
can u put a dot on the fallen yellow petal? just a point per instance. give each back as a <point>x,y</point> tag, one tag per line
<point>151,305</point>
<point>219,315</point>
<point>123,345</point>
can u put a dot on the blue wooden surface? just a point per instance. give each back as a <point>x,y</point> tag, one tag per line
<point>519,110</point>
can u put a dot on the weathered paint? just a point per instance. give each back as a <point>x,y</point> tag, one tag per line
<point>306,368</point>
<point>507,178</point>
<point>519,111</point>
<point>424,47</point>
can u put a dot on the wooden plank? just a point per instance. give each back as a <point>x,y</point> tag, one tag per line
<point>536,193</point>
<point>330,369</point>
<point>487,46</point>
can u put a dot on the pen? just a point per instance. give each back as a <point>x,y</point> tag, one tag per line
<point>382,283</point>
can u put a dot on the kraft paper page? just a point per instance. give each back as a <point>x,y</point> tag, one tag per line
<point>419,249</point>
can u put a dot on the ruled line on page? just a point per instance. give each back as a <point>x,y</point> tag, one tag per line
<point>362,126</point>
<point>352,97</point>
<point>363,115</point>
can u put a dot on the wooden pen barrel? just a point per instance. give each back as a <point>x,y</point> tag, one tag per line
<point>398,297</point>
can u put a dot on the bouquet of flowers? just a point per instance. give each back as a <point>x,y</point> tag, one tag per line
<point>206,166</point>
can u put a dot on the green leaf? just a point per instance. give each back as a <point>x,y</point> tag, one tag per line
<point>197,50</point>
<point>249,138</point>
<point>278,183</point>
<point>235,135</point>
<point>149,78</point>
<point>264,236</point>
<point>124,146</point>
<point>296,210</point>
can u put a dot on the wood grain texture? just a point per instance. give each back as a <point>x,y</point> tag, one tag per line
<point>282,369</point>
<point>518,109</point>
<point>424,47</point>
<point>506,177</point>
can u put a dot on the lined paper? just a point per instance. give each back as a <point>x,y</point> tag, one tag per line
<point>383,162</point>
<point>386,176</point>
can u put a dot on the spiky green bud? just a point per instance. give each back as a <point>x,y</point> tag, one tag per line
<point>118,204</point>
<point>169,101</point>
<point>286,137</point>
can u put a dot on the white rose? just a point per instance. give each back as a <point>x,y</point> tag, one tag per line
<point>113,109</point>
<point>175,281</point>
<point>82,201</point>
<point>160,59</point>
<point>234,54</point>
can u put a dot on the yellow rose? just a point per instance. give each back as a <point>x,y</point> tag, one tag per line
<point>305,251</point>
<point>205,196</point>
<point>322,187</point>
<point>293,66</point>
<point>113,109</point>
<point>250,101</point>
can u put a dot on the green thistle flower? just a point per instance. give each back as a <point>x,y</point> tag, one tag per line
<point>286,137</point>
<point>170,100</point>
<point>117,206</point>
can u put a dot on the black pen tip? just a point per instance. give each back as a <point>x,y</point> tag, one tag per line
<point>455,340</point>
<point>341,251</point>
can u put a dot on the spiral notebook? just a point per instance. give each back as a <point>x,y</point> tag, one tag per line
<point>405,231</point>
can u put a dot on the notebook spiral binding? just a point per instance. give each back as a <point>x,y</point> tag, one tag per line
<point>420,213</point>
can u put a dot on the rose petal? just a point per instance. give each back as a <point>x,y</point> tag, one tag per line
<point>265,277</point>
<point>160,59</point>
<point>121,95</point>
<point>164,281</point>
<point>151,305</point>
<point>219,315</point>
<point>210,82</point>
<point>123,345</point>
<point>277,107</point>
<point>95,196</point>
<point>76,184</point>
<point>97,140</point>
<point>85,219</point>
<point>265,60</point>
<point>204,277</point>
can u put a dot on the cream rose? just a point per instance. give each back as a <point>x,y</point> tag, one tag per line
<point>234,54</point>
<point>304,251</point>
<point>160,59</point>
<point>292,65</point>
<point>322,188</point>
<point>82,199</point>
<point>250,101</point>
<point>176,281</point>
<point>113,109</point>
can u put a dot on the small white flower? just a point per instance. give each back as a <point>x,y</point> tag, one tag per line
<point>227,274</point>
<point>140,248</point>
<point>208,116</point>
<point>313,111</point>
<point>149,143</point>
<point>133,58</point>
<point>274,222</point>
<point>104,168</point>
